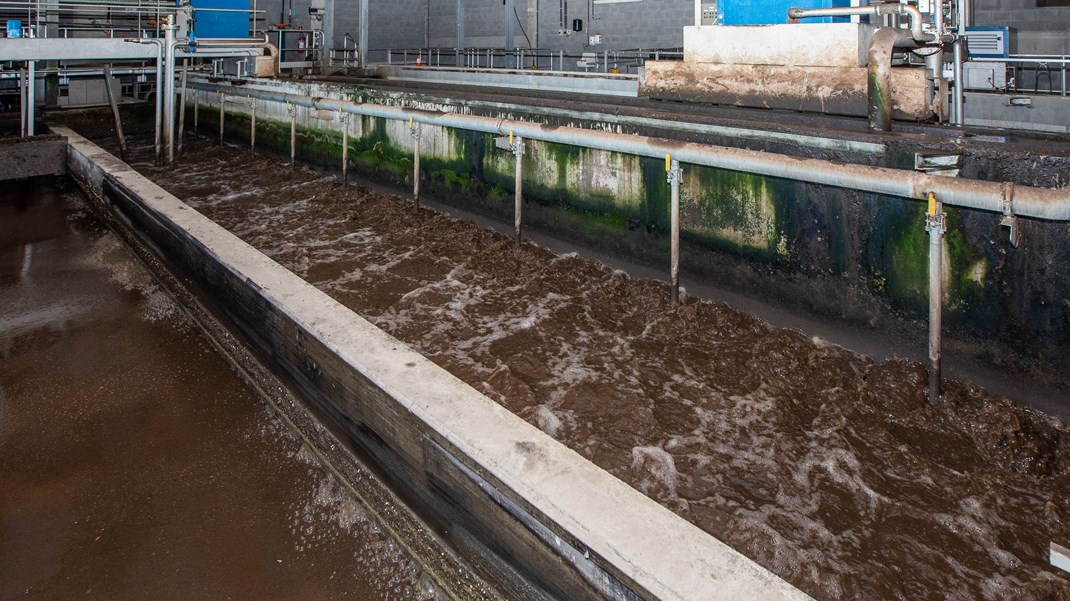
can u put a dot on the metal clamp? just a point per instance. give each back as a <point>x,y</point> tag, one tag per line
<point>516,145</point>
<point>291,109</point>
<point>935,218</point>
<point>414,129</point>
<point>343,116</point>
<point>1009,219</point>
<point>222,98</point>
<point>252,102</point>
<point>674,176</point>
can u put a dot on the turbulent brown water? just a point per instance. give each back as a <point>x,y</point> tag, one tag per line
<point>830,469</point>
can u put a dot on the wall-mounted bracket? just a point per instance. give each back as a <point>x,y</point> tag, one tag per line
<point>947,165</point>
<point>1009,219</point>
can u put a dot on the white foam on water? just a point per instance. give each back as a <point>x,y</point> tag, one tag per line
<point>657,470</point>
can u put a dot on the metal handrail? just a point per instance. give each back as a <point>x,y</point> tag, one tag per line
<point>1060,63</point>
<point>526,58</point>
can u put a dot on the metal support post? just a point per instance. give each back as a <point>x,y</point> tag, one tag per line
<point>517,146</point>
<point>22,102</point>
<point>31,92</point>
<point>958,100</point>
<point>936,225</point>
<point>196,108</point>
<point>293,134</point>
<point>415,131</point>
<point>159,107</point>
<point>252,126</point>
<point>344,118</point>
<point>115,111</point>
<point>169,88</point>
<point>672,167</point>
<point>222,114</point>
<point>182,104</point>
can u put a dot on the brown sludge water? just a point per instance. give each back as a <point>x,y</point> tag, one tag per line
<point>828,468</point>
<point>134,464</point>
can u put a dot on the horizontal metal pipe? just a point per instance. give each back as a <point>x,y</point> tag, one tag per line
<point>915,16</point>
<point>1040,203</point>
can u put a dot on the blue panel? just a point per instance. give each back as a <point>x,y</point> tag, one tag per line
<point>774,12</point>
<point>215,24</point>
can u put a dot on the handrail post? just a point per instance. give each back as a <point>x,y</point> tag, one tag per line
<point>674,173</point>
<point>415,131</point>
<point>936,225</point>
<point>516,144</point>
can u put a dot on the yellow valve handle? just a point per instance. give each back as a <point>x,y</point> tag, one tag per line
<point>668,163</point>
<point>510,137</point>
<point>410,122</point>
<point>932,203</point>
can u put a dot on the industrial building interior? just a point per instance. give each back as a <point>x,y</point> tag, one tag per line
<point>591,300</point>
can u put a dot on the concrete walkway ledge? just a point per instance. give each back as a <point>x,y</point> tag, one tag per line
<point>568,529</point>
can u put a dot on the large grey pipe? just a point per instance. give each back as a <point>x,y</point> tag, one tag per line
<point>879,75</point>
<point>1041,203</point>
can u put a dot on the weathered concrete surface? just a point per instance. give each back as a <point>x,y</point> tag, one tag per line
<point>835,90</point>
<point>21,158</point>
<point>540,503</point>
<point>813,44</point>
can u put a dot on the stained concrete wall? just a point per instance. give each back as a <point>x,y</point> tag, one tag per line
<point>855,256</point>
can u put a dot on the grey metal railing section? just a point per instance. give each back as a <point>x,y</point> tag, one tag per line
<point>605,61</point>
<point>1046,73</point>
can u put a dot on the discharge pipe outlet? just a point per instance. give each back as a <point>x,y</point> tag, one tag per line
<point>1023,201</point>
<point>879,76</point>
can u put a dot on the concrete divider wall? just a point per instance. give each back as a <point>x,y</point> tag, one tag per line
<point>494,484</point>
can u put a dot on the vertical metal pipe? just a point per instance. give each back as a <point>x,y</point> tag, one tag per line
<point>252,127</point>
<point>108,80</point>
<point>182,104</point>
<point>22,102</point>
<point>345,148</point>
<point>293,135</point>
<point>31,92</point>
<point>959,97</point>
<point>169,88</point>
<point>935,224</point>
<point>362,35</point>
<point>460,25</point>
<point>510,30</point>
<point>518,187</point>
<point>416,132</point>
<point>159,104</point>
<point>222,115</point>
<point>672,166</point>
<point>196,108</point>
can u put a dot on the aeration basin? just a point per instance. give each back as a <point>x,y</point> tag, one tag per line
<point>498,488</point>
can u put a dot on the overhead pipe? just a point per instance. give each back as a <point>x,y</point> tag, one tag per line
<point>1040,203</point>
<point>917,20</point>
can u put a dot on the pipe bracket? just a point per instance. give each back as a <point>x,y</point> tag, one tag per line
<point>1009,219</point>
<point>674,176</point>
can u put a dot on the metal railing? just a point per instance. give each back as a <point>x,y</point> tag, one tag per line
<point>606,61</point>
<point>1046,73</point>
